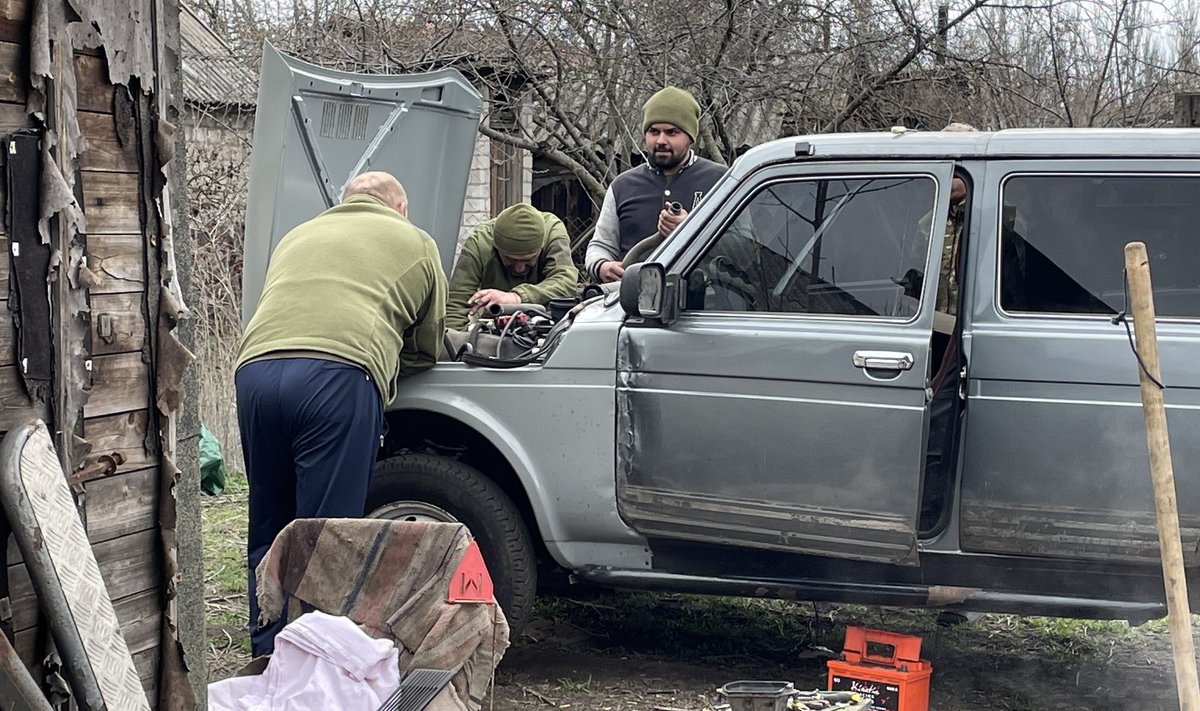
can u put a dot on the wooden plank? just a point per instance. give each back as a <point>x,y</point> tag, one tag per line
<point>14,72</point>
<point>8,346</point>
<point>104,151</point>
<point>110,202</point>
<point>93,90</point>
<point>120,383</point>
<point>147,667</point>
<point>4,263</point>
<point>15,407</point>
<point>13,117</point>
<point>122,504</point>
<point>14,20</point>
<point>124,433</point>
<point>118,261</point>
<point>129,565</point>
<point>140,617</point>
<point>118,325</point>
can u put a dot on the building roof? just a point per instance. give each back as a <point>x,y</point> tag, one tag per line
<point>212,74</point>
<point>1010,143</point>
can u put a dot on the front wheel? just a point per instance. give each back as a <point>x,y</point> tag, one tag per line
<point>422,487</point>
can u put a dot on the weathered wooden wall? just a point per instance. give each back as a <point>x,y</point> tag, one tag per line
<point>120,510</point>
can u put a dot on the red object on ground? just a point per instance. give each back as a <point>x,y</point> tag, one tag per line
<point>884,666</point>
<point>471,582</point>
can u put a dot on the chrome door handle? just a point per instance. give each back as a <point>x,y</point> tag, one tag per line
<point>883,360</point>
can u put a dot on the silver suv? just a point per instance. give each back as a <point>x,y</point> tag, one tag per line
<point>778,403</point>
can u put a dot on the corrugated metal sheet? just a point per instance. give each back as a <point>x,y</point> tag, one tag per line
<point>212,74</point>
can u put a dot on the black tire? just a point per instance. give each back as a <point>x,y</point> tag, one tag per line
<point>469,497</point>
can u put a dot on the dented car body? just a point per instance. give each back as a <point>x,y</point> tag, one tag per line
<point>831,402</point>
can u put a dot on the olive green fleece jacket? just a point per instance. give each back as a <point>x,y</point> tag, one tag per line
<point>358,283</point>
<point>479,267</point>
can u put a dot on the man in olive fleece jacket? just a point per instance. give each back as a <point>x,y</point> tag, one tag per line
<point>522,256</point>
<point>353,298</point>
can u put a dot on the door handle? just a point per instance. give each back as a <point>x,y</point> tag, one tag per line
<point>883,360</point>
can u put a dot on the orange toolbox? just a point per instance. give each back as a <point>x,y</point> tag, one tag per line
<point>884,666</point>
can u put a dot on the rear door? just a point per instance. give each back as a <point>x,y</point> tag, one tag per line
<point>1054,453</point>
<point>786,408</point>
<point>316,128</point>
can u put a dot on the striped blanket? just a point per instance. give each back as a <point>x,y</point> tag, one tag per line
<point>392,578</point>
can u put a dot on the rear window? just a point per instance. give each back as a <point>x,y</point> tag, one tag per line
<point>1063,238</point>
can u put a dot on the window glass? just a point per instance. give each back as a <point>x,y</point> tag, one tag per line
<point>852,246</point>
<point>1063,239</point>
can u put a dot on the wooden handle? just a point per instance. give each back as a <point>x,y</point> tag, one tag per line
<point>1179,618</point>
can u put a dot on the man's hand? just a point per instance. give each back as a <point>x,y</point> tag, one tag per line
<point>611,271</point>
<point>486,298</point>
<point>668,222</point>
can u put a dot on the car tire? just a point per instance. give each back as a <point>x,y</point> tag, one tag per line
<point>426,487</point>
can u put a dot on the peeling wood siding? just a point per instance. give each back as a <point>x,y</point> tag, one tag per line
<point>107,301</point>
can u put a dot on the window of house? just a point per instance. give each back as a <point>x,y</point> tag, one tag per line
<point>847,246</point>
<point>1063,239</point>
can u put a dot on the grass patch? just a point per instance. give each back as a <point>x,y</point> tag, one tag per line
<point>224,524</point>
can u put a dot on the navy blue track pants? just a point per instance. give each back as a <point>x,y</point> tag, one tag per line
<point>310,432</point>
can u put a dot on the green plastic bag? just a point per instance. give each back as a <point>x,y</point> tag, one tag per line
<point>212,464</point>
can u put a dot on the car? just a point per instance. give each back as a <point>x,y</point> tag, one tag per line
<point>815,391</point>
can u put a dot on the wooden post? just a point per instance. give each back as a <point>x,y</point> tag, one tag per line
<point>1179,618</point>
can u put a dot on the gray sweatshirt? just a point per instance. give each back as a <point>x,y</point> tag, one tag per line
<point>633,201</point>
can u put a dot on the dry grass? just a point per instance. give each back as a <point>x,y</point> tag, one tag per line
<point>224,519</point>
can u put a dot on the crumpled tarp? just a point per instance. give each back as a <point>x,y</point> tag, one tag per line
<point>320,662</point>
<point>392,578</point>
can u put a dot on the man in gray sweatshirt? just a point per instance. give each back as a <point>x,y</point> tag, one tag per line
<point>635,206</point>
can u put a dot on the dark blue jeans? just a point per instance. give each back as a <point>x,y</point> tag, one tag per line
<point>310,432</point>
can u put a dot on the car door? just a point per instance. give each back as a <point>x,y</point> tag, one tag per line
<point>786,407</point>
<point>316,128</point>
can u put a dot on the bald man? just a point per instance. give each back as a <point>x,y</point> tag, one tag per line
<point>353,299</point>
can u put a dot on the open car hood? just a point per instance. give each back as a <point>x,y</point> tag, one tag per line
<point>316,128</point>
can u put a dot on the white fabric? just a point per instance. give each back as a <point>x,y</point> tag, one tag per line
<point>320,662</point>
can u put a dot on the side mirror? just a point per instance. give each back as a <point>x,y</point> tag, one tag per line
<point>648,292</point>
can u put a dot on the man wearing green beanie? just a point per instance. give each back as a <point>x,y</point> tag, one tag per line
<point>653,198</point>
<point>522,256</point>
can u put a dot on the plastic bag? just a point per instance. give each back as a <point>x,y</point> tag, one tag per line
<point>212,464</point>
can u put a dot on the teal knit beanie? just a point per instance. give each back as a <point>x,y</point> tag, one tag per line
<point>519,229</point>
<point>674,106</point>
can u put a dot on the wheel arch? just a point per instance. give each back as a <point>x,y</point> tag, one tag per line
<point>474,440</point>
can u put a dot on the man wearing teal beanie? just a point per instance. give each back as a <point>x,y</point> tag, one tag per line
<point>652,199</point>
<point>522,256</point>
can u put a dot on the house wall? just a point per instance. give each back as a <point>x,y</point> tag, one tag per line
<point>121,511</point>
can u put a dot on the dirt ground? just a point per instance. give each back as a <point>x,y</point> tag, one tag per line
<point>592,659</point>
<point>626,651</point>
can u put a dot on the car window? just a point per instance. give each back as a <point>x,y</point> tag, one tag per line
<point>845,246</point>
<point>1063,239</point>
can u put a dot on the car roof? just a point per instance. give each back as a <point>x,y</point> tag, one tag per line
<point>958,145</point>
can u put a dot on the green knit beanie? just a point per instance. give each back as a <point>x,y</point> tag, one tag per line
<point>674,106</point>
<point>519,229</point>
